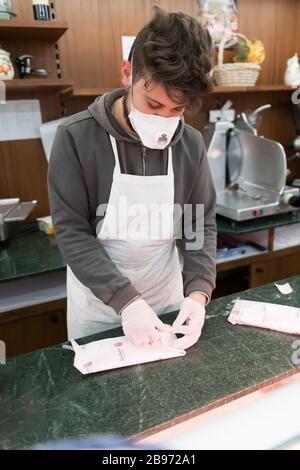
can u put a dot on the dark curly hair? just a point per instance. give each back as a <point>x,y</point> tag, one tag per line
<point>176,50</point>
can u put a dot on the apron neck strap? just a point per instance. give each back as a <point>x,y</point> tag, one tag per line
<point>115,151</point>
<point>170,161</point>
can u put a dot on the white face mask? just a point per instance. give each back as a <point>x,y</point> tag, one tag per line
<point>154,131</point>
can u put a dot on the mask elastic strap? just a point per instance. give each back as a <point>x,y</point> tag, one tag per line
<point>125,113</point>
<point>131,82</point>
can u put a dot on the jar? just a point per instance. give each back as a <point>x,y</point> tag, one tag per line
<point>6,66</point>
<point>6,10</point>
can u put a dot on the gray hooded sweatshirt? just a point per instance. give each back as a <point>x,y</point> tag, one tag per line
<point>80,178</point>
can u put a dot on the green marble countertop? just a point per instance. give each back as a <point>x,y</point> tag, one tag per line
<point>29,252</point>
<point>230,227</point>
<point>44,398</point>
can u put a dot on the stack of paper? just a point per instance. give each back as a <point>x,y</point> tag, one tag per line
<point>113,353</point>
<point>266,315</point>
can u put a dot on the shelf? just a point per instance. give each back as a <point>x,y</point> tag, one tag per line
<point>231,227</point>
<point>37,30</point>
<point>32,84</point>
<point>85,92</point>
<point>252,89</point>
<point>94,92</point>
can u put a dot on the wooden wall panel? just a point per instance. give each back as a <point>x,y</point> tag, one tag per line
<point>257,18</point>
<point>274,23</point>
<point>91,49</point>
<point>297,34</point>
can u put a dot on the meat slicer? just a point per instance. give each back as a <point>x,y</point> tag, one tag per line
<point>248,170</point>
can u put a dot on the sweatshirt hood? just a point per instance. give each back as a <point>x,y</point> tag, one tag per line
<point>101,110</point>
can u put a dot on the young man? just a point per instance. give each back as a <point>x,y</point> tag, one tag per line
<point>132,148</point>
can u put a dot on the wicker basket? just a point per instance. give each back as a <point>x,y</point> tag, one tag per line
<point>234,74</point>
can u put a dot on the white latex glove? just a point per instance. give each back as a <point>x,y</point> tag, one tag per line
<point>141,324</point>
<point>189,322</point>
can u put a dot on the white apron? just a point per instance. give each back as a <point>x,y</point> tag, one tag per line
<point>150,262</point>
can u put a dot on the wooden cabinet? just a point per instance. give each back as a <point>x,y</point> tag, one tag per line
<point>34,327</point>
<point>276,268</point>
<point>259,269</point>
<point>33,311</point>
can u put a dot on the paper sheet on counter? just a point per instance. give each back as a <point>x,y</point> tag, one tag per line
<point>113,353</point>
<point>284,288</point>
<point>266,315</point>
<point>20,119</point>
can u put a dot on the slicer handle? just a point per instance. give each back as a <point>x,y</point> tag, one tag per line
<point>294,201</point>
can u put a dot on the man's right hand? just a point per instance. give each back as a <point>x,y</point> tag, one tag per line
<point>141,324</point>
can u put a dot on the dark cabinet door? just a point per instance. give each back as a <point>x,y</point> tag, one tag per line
<point>32,328</point>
